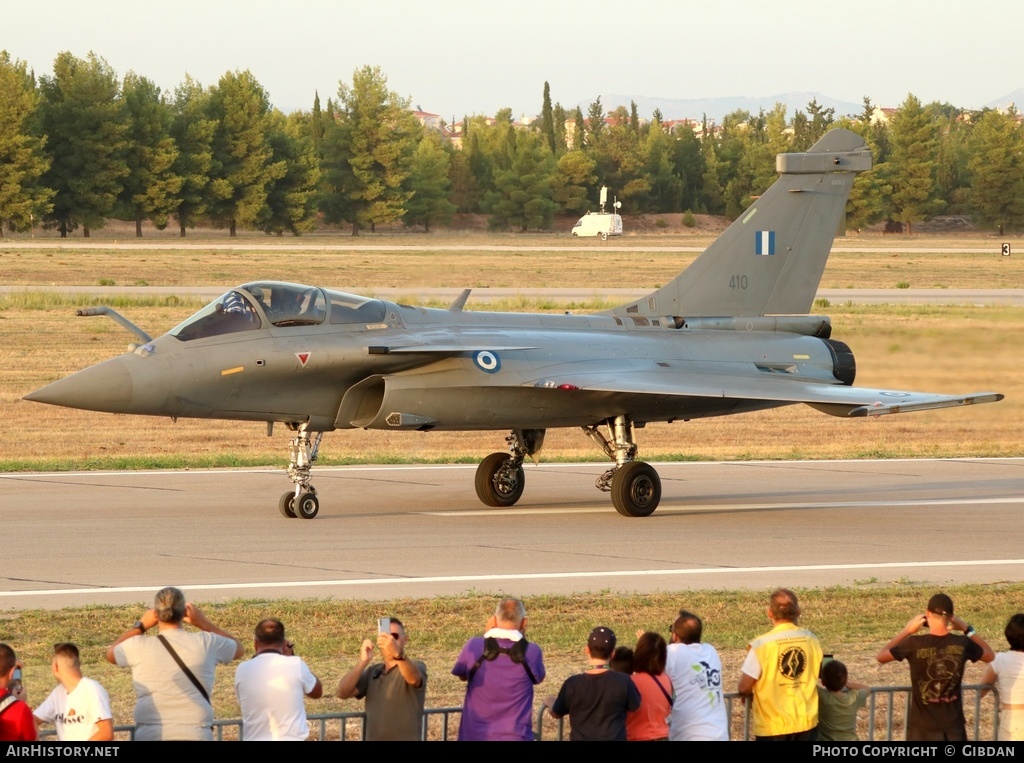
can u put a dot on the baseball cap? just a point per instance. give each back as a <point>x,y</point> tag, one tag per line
<point>602,640</point>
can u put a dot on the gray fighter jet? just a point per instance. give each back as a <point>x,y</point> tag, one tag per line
<point>728,335</point>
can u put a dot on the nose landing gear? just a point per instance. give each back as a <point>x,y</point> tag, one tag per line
<point>302,501</point>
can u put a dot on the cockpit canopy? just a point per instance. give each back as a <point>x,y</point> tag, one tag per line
<point>253,305</point>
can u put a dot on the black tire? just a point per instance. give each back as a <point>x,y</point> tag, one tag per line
<point>504,493</point>
<point>307,506</point>
<point>287,505</point>
<point>636,489</point>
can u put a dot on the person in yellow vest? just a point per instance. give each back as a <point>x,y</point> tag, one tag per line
<point>781,672</point>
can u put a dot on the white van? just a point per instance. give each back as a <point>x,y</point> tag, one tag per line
<point>603,224</point>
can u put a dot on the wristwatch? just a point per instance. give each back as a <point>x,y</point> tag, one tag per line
<point>969,631</point>
<point>137,625</point>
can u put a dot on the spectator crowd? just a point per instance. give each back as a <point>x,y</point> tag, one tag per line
<point>654,690</point>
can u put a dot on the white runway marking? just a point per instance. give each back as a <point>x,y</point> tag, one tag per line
<point>148,589</point>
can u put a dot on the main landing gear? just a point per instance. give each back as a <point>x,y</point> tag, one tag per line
<point>499,478</point>
<point>635,485</point>
<point>302,501</point>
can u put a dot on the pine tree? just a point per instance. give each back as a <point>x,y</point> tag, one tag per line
<point>465,192</point>
<point>371,151</point>
<point>996,170</point>
<point>620,161</point>
<point>547,119</point>
<point>573,178</point>
<point>578,131</point>
<point>522,195</point>
<point>192,131</point>
<point>244,167</point>
<point>82,115</point>
<point>689,166</point>
<point>316,126</point>
<point>911,166</point>
<point>595,122</point>
<point>559,116</point>
<point>22,159</point>
<point>952,179</point>
<point>151,186</point>
<point>868,200</point>
<point>666,186</point>
<point>711,180</point>
<point>428,181</point>
<point>291,199</point>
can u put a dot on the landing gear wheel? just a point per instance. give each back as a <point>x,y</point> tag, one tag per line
<point>287,505</point>
<point>636,489</point>
<point>497,485</point>
<point>307,506</point>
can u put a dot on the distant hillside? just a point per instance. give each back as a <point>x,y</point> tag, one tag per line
<point>717,108</point>
<point>1016,98</point>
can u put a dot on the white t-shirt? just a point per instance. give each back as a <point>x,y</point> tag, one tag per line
<point>75,715</point>
<point>1009,668</point>
<point>270,689</point>
<point>168,705</point>
<point>698,712</point>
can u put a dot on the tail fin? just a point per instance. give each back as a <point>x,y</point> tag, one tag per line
<point>770,260</point>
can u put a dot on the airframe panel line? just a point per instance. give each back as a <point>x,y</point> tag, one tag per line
<point>737,507</point>
<point>517,577</point>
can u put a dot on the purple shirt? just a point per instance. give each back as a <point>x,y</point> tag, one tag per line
<point>499,696</point>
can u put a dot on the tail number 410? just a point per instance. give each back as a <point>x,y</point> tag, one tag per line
<point>738,282</point>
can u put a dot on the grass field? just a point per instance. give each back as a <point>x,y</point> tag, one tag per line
<point>853,624</point>
<point>474,265</point>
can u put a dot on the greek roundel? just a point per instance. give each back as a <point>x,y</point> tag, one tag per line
<point>487,361</point>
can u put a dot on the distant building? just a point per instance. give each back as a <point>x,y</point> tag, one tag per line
<point>428,120</point>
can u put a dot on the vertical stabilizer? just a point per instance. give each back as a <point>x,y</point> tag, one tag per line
<point>770,260</point>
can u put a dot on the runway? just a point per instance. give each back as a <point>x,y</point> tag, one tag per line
<point>413,531</point>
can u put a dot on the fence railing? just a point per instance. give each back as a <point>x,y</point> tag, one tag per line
<point>886,716</point>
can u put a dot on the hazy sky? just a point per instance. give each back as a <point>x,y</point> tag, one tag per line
<point>474,58</point>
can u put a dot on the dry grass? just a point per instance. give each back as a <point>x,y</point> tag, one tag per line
<point>852,623</point>
<point>364,269</point>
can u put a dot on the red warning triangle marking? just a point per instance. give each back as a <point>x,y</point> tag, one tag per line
<point>303,357</point>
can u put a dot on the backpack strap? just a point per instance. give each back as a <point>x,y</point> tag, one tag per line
<point>516,653</point>
<point>7,700</point>
<point>669,697</point>
<point>184,668</point>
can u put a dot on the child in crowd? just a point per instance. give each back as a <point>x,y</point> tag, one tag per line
<point>839,699</point>
<point>622,660</point>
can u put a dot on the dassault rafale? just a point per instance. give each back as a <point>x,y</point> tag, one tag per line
<point>730,334</point>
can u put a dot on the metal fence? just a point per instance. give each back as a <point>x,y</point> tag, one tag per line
<point>884,722</point>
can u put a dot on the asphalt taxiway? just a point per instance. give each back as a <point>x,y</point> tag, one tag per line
<point>390,531</point>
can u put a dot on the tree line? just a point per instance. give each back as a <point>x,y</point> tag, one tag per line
<point>82,145</point>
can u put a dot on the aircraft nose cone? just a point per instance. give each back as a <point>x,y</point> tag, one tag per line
<point>105,387</point>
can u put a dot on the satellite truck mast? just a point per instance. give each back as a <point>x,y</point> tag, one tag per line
<point>616,205</point>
